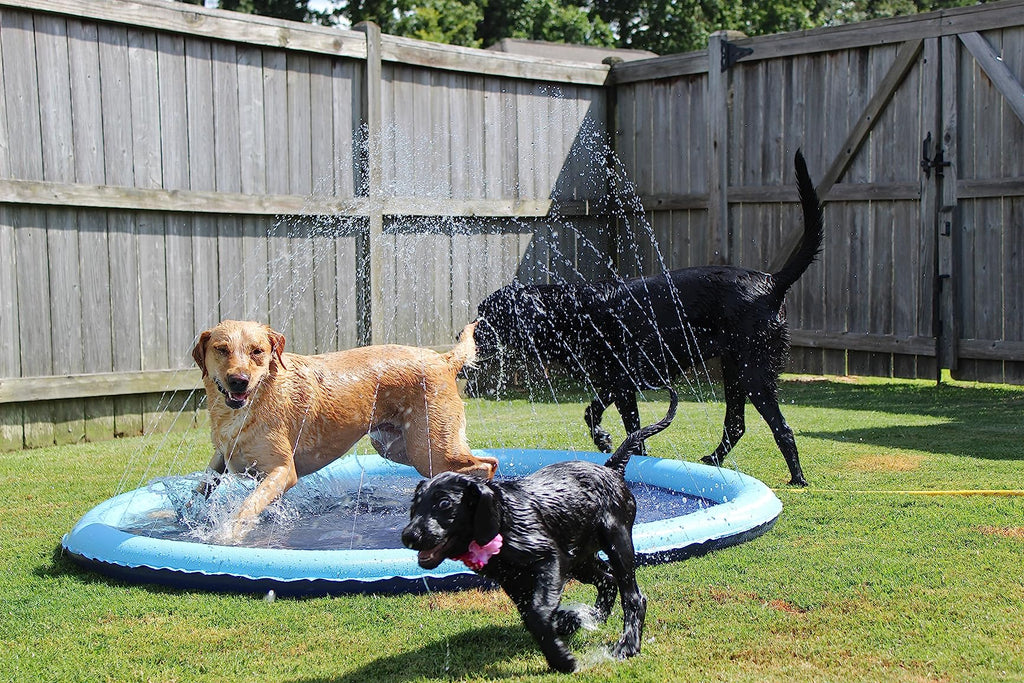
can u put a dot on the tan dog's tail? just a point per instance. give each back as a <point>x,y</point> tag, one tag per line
<point>464,353</point>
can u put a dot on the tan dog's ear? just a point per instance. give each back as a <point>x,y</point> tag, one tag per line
<point>277,345</point>
<point>199,352</point>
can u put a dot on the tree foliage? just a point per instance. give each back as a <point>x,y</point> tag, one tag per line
<point>295,10</point>
<point>662,26</point>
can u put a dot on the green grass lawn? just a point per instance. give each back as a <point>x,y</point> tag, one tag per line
<point>858,580</point>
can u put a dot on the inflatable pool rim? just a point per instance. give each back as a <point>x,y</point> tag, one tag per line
<point>744,508</point>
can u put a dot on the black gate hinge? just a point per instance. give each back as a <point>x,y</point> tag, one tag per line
<point>733,53</point>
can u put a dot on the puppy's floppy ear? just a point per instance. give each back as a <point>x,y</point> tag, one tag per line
<point>277,345</point>
<point>199,352</point>
<point>487,522</point>
<point>416,496</point>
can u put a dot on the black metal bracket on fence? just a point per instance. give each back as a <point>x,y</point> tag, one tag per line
<point>732,53</point>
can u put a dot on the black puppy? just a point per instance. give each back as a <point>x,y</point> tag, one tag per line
<point>532,535</point>
<point>625,336</point>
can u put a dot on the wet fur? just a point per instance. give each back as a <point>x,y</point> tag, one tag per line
<point>280,416</point>
<point>637,334</point>
<point>553,523</point>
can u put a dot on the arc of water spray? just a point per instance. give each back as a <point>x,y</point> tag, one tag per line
<point>684,326</point>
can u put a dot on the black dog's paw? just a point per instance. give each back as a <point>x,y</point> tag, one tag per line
<point>798,481</point>
<point>602,439</point>
<point>711,460</point>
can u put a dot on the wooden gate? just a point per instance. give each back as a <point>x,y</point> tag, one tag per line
<point>912,127</point>
<point>980,205</point>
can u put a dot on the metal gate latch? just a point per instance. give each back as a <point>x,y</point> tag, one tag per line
<point>928,162</point>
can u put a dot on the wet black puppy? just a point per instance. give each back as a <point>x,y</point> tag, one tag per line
<point>532,535</point>
<point>625,336</point>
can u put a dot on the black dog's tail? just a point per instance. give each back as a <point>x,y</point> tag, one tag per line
<point>631,444</point>
<point>814,231</point>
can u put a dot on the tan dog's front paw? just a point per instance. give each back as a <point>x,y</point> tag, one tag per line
<point>233,531</point>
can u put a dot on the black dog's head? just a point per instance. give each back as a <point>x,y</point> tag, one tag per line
<point>448,512</point>
<point>510,319</point>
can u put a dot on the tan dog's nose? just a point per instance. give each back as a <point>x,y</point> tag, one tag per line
<point>238,383</point>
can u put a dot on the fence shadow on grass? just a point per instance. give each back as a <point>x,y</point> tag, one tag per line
<point>975,421</point>
<point>478,653</point>
<point>983,421</point>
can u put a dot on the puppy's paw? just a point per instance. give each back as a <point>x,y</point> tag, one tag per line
<point>711,460</point>
<point>566,664</point>
<point>625,649</point>
<point>568,620</point>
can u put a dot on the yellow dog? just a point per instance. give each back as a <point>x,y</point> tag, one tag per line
<point>280,415</point>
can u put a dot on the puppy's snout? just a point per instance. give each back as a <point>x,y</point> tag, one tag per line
<point>238,383</point>
<point>410,536</point>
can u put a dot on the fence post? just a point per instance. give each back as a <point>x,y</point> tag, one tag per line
<point>718,152</point>
<point>947,236</point>
<point>371,331</point>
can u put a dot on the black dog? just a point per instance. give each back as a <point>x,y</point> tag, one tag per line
<point>534,534</point>
<point>625,336</point>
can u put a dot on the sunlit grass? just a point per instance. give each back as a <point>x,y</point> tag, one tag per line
<point>856,582</point>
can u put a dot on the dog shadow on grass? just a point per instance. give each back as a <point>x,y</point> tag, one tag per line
<point>480,653</point>
<point>491,652</point>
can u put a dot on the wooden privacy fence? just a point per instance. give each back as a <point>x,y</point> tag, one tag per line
<point>164,166</point>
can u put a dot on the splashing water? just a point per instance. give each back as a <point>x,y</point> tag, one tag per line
<point>319,513</point>
<point>556,249</point>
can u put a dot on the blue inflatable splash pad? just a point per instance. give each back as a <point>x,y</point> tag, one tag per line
<point>352,544</point>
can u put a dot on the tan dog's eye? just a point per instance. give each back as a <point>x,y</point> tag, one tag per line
<point>223,351</point>
<point>257,353</point>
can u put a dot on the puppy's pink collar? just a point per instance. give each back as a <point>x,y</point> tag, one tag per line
<point>478,555</point>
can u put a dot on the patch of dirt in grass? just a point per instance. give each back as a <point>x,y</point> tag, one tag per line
<point>724,596</point>
<point>883,462</point>
<point>809,379</point>
<point>1016,532</point>
<point>787,607</point>
<point>485,601</point>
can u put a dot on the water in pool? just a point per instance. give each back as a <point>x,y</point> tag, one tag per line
<point>334,514</point>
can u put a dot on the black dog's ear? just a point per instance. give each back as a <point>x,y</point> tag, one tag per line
<point>486,524</point>
<point>538,306</point>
